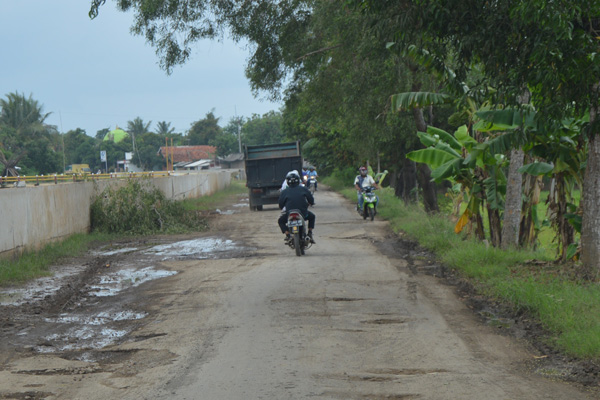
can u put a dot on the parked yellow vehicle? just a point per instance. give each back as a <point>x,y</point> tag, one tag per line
<point>78,169</point>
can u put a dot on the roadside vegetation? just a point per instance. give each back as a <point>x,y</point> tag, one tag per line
<point>139,208</point>
<point>527,281</point>
<point>33,264</point>
<point>135,209</point>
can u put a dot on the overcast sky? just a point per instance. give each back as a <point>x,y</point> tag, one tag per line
<point>94,74</point>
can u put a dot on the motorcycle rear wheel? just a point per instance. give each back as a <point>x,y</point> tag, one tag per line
<point>297,244</point>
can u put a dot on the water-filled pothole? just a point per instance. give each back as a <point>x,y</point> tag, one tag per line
<point>195,248</point>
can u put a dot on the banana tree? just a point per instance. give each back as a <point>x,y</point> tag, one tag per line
<point>565,156</point>
<point>559,155</point>
<point>461,159</point>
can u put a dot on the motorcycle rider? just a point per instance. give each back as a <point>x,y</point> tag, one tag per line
<point>361,181</point>
<point>284,185</point>
<point>312,173</point>
<point>296,197</point>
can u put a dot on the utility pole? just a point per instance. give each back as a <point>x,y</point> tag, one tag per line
<point>239,124</point>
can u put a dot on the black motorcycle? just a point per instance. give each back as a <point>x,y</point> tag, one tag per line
<point>298,228</point>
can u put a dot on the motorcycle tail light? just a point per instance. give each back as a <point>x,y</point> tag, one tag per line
<point>294,216</point>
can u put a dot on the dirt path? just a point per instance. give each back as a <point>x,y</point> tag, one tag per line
<point>233,314</point>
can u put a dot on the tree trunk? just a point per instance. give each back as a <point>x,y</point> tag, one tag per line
<point>528,232</point>
<point>566,232</point>
<point>409,181</point>
<point>495,226</point>
<point>590,228</point>
<point>512,204</point>
<point>429,188</point>
<point>424,173</point>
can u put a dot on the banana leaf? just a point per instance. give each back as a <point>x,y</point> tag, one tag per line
<point>504,120</point>
<point>445,136</point>
<point>462,135</point>
<point>409,100</point>
<point>536,168</point>
<point>445,147</point>
<point>432,157</point>
<point>447,170</point>
<point>426,139</point>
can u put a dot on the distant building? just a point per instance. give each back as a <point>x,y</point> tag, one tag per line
<point>233,161</point>
<point>182,156</point>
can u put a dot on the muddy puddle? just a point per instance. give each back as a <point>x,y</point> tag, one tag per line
<point>196,248</point>
<point>38,289</point>
<point>95,314</point>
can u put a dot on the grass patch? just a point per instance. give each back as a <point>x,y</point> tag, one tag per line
<point>524,280</point>
<point>205,203</point>
<point>33,264</point>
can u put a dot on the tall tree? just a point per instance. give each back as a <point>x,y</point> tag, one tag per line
<point>265,129</point>
<point>23,129</point>
<point>547,46</point>
<point>137,127</point>
<point>204,131</point>
<point>163,128</point>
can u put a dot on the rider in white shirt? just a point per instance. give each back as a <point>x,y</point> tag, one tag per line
<point>362,181</point>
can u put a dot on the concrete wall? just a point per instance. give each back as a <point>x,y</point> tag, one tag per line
<point>33,216</point>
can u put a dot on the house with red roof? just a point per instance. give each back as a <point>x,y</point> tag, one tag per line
<point>180,156</point>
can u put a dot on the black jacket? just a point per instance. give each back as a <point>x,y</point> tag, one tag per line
<point>296,198</point>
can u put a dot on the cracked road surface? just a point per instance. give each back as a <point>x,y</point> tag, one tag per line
<point>250,320</point>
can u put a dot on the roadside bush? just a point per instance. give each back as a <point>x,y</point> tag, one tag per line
<point>141,208</point>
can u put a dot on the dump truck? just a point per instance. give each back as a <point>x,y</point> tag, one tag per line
<point>266,168</point>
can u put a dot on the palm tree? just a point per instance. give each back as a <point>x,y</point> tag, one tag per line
<point>163,128</point>
<point>137,127</point>
<point>24,118</point>
<point>24,115</point>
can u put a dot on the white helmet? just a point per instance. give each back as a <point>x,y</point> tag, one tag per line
<point>292,178</point>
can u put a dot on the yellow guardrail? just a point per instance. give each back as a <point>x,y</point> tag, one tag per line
<point>15,181</point>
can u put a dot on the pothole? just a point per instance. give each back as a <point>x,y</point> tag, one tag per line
<point>80,338</point>
<point>195,248</point>
<point>385,321</point>
<point>116,251</point>
<point>115,282</point>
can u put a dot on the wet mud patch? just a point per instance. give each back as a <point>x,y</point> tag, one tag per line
<point>26,395</point>
<point>344,299</point>
<point>358,396</point>
<point>201,248</point>
<point>89,369</point>
<point>386,321</point>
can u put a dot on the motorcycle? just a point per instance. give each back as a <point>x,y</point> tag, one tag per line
<point>298,228</point>
<point>312,184</point>
<point>369,208</point>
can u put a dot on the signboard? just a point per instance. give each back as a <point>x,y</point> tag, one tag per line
<point>128,156</point>
<point>103,155</point>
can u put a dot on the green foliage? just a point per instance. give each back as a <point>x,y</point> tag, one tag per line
<point>24,136</point>
<point>33,264</point>
<point>204,131</point>
<point>265,129</point>
<point>410,100</point>
<point>140,208</point>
